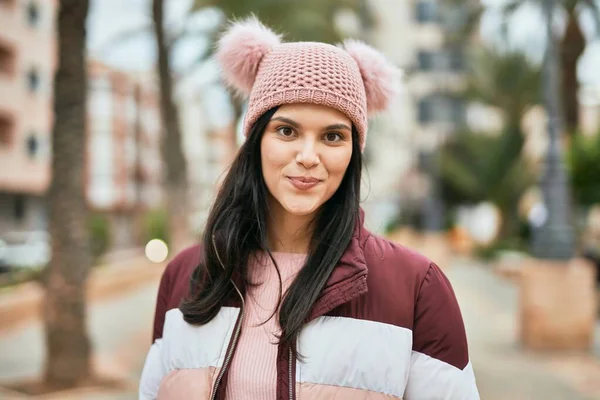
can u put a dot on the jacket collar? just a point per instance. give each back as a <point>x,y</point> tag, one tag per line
<point>349,278</point>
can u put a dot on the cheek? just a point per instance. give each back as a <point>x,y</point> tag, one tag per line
<point>337,164</point>
<point>274,158</point>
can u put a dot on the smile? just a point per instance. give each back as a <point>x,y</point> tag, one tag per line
<point>303,183</point>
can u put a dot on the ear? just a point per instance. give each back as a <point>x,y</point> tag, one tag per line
<point>240,51</point>
<point>380,77</point>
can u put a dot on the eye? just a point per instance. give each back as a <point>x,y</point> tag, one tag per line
<point>285,131</point>
<point>333,137</point>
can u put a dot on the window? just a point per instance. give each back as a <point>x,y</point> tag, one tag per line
<point>425,111</point>
<point>151,123</point>
<point>33,79</point>
<point>19,207</point>
<point>427,11</point>
<point>456,60</point>
<point>32,144</point>
<point>441,108</point>
<point>33,13</point>
<point>7,59</point>
<point>101,190</point>
<point>449,60</point>
<point>426,60</point>
<point>6,130</point>
<point>131,110</point>
<point>101,97</point>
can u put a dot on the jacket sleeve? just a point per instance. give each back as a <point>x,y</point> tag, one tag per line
<point>154,369</point>
<point>162,301</point>
<point>439,367</point>
<point>153,372</point>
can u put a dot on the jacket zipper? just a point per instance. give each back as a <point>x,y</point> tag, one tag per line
<point>238,328</point>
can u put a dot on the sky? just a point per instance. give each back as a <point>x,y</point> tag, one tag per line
<point>108,19</point>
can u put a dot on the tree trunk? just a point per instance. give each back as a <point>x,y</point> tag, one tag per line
<point>175,179</point>
<point>238,111</point>
<point>64,308</point>
<point>572,47</point>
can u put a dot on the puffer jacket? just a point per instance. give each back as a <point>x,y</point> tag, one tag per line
<point>386,326</point>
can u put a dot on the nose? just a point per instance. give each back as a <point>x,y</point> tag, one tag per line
<point>307,156</point>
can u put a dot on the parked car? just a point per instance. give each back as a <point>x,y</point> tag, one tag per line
<point>29,249</point>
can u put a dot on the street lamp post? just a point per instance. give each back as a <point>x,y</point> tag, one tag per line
<point>433,206</point>
<point>555,239</point>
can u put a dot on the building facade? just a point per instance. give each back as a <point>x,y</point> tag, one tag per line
<point>412,34</point>
<point>27,66</point>
<point>123,164</point>
<point>207,143</point>
<point>123,168</point>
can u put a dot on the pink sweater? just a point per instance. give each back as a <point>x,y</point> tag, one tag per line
<point>253,373</point>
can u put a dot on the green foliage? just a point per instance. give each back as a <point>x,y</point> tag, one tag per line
<point>392,225</point>
<point>506,80</point>
<point>156,226</point>
<point>310,20</point>
<point>491,251</point>
<point>473,10</point>
<point>14,277</point>
<point>583,161</point>
<point>99,233</point>
<point>478,167</point>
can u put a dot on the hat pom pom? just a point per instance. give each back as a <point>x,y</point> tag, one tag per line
<point>381,79</point>
<point>240,51</point>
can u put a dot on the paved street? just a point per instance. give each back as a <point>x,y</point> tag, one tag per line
<point>121,331</point>
<point>503,369</point>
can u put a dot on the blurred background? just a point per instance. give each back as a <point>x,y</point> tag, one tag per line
<point>115,131</point>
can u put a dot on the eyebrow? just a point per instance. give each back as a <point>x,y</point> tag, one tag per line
<point>297,125</point>
<point>287,121</point>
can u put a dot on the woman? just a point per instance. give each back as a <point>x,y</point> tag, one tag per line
<point>289,296</point>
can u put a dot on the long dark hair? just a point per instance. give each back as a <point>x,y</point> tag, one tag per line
<point>237,228</point>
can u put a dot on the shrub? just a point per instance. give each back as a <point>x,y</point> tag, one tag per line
<point>100,234</point>
<point>156,226</point>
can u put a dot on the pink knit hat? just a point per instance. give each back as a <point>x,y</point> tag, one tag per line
<point>353,78</point>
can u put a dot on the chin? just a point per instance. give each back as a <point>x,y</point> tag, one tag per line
<point>301,209</point>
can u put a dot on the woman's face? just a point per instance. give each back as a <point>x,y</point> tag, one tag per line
<point>305,151</point>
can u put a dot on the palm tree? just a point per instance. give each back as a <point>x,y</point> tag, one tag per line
<point>477,167</point>
<point>584,169</point>
<point>505,80</point>
<point>176,177</point>
<point>64,309</point>
<point>572,45</point>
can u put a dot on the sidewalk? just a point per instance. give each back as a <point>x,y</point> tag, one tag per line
<point>120,312</point>
<point>120,330</point>
<point>504,370</point>
<point>22,303</point>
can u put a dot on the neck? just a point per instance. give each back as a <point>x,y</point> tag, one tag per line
<point>289,233</point>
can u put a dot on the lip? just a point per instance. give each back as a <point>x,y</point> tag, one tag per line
<point>303,182</point>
